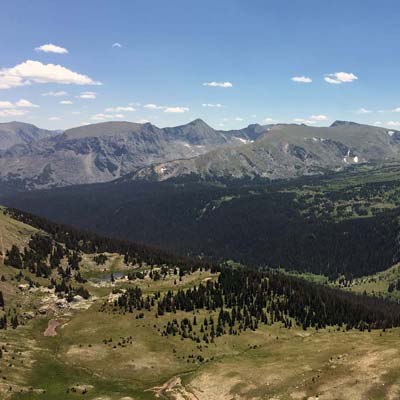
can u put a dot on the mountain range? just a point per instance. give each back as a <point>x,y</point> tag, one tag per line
<point>19,133</point>
<point>286,151</point>
<point>33,158</point>
<point>105,151</point>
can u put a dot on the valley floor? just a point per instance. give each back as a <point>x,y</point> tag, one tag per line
<point>139,363</point>
<point>83,349</point>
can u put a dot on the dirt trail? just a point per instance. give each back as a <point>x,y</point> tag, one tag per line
<point>173,389</point>
<point>51,328</point>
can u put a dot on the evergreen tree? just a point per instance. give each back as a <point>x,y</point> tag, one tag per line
<point>13,257</point>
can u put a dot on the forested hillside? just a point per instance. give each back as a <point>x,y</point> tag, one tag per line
<point>167,322</point>
<point>345,223</point>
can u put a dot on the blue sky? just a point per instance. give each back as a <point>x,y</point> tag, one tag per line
<point>248,52</point>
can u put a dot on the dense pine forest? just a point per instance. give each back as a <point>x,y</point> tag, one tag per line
<point>76,240</point>
<point>340,224</point>
<point>244,299</point>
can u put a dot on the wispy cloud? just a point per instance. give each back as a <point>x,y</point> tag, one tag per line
<point>6,104</point>
<point>87,95</point>
<point>397,109</point>
<point>120,109</point>
<point>152,106</point>
<point>66,102</point>
<point>116,44</point>
<point>105,117</point>
<point>175,110</point>
<point>12,112</point>
<point>25,104</point>
<point>30,72</point>
<point>393,124</point>
<point>218,84</point>
<point>338,78</point>
<point>304,121</point>
<point>9,109</point>
<point>51,48</point>
<point>313,119</point>
<point>167,109</point>
<point>301,79</point>
<point>268,120</point>
<point>217,105</point>
<point>319,117</point>
<point>55,94</point>
<point>363,111</point>
<point>54,118</point>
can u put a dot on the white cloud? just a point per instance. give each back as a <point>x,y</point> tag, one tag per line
<point>318,117</point>
<point>116,44</point>
<point>304,121</point>
<point>218,84</point>
<point>217,105</point>
<point>363,111</point>
<point>153,107</point>
<point>51,48</point>
<point>6,104</point>
<point>340,77</point>
<point>12,113</point>
<point>176,109</point>
<point>393,123</point>
<point>397,109</point>
<point>312,119</point>
<point>99,117</point>
<point>239,119</point>
<point>166,109</point>
<point>75,112</point>
<point>120,109</point>
<point>142,121</point>
<point>66,102</point>
<point>54,118</point>
<point>268,120</point>
<point>9,109</point>
<point>301,79</point>
<point>26,104</point>
<point>104,117</point>
<point>55,94</point>
<point>30,72</point>
<point>378,123</point>
<point>87,95</point>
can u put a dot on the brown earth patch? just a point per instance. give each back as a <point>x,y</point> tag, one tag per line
<point>51,328</point>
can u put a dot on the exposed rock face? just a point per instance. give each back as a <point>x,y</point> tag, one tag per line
<point>106,151</point>
<point>14,133</point>
<point>287,151</point>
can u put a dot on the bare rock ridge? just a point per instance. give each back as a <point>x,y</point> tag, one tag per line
<point>104,151</point>
<point>286,151</point>
<point>32,158</point>
<point>14,133</point>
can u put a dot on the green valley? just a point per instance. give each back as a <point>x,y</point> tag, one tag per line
<point>133,349</point>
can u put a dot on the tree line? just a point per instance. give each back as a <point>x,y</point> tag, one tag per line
<point>245,299</point>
